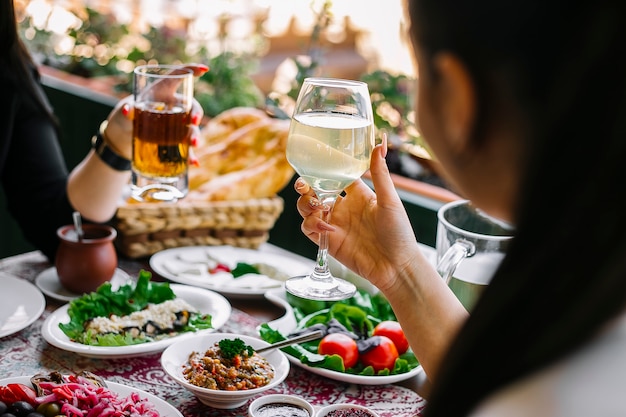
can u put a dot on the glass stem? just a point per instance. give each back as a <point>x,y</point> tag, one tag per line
<point>321,271</point>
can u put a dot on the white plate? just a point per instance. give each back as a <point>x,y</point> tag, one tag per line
<point>189,265</point>
<point>204,300</point>
<point>164,409</point>
<point>287,323</point>
<point>48,282</point>
<point>22,305</point>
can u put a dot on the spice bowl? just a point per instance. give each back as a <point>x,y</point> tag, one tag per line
<point>280,405</point>
<point>345,410</point>
<point>176,359</point>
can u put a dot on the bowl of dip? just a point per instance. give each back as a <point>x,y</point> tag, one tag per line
<point>280,405</point>
<point>221,370</point>
<point>345,410</point>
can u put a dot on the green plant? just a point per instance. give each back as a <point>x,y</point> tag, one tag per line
<point>104,47</point>
<point>227,84</point>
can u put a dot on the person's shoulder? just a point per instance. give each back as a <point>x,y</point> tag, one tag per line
<point>587,383</point>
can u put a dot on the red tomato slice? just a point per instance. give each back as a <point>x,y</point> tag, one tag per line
<point>382,356</point>
<point>340,344</point>
<point>392,330</point>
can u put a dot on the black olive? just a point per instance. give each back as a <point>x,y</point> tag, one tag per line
<point>21,408</point>
<point>34,414</point>
<point>8,415</point>
<point>3,407</point>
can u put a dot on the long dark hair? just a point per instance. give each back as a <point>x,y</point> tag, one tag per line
<point>16,59</point>
<point>564,277</point>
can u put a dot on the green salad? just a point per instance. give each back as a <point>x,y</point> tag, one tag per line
<point>136,313</point>
<point>356,317</point>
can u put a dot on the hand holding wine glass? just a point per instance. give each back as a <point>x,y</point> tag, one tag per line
<point>330,142</point>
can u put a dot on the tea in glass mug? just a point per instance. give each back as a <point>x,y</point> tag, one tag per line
<point>470,247</point>
<point>160,140</point>
<point>161,132</point>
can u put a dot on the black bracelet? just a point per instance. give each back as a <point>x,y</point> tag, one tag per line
<point>106,154</point>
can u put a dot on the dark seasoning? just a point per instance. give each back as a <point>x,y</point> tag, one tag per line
<point>281,410</point>
<point>349,412</point>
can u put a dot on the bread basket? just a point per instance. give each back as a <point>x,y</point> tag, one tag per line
<point>232,197</point>
<point>144,229</point>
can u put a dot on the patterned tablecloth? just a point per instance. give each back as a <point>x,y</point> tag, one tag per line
<point>26,353</point>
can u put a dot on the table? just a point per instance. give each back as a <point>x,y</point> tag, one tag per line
<point>26,353</point>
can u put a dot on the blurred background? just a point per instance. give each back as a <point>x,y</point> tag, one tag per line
<point>259,51</point>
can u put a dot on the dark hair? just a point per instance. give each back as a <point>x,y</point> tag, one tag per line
<point>16,59</point>
<point>564,276</point>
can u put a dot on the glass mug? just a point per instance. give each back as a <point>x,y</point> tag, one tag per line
<point>163,97</point>
<point>470,246</point>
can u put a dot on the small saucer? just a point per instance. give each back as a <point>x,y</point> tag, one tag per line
<point>48,282</point>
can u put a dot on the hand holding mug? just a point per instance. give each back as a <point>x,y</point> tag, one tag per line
<point>119,130</point>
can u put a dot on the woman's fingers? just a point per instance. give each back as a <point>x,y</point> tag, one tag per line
<point>164,90</point>
<point>302,187</point>
<point>383,184</point>
<point>198,69</point>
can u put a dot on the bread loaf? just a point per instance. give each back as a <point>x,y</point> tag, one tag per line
<point>242,156</point>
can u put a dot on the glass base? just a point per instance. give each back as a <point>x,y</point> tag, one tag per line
<point>146,189</point>
<point>333,289</point>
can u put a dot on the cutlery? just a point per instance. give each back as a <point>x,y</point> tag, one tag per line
<point>307,337</point>
<point>78,225</point>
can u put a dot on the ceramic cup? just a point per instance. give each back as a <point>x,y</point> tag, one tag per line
<point>470,246</point>
<point>84,264</point>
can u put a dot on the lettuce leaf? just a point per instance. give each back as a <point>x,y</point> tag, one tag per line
<point>358,317</point>
<point>127,299</point>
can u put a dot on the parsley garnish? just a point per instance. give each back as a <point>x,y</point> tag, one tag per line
<point>231,348</point>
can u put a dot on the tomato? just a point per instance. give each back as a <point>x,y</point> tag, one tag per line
<point>392,330</point>
<point>340,344</point>
<point>382,355</point>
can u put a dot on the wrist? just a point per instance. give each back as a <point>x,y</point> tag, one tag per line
<point>106,153</point>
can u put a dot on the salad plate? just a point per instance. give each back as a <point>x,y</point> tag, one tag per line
<point>22,307</point>
<point>287,323</point>
<point>205,301</point>
<point>197,265</point>
<point>164,409</point>
<point>48,282</point>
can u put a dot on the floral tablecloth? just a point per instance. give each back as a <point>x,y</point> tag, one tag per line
<point>26,353</point>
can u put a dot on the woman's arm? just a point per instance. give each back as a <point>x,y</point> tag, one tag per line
<point>371,234</point>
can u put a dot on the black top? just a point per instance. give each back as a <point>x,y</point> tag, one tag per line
<point>32,169</point>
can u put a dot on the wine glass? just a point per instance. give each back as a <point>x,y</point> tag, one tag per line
<point>330,143</point>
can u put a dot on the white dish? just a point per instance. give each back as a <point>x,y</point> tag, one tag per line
<point>279,399</point>
<point>23,305</point>
<point>287,323</point>
<point>164,409</point>
<point>204,300</point>
<point>177,355</point>
<point>48,282</point>
<point>190,265</point>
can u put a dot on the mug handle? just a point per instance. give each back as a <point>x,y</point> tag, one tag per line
<point>450,260</point>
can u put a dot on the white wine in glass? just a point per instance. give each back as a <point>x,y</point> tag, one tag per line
<point>331,138</point>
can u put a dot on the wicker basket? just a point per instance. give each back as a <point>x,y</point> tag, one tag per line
<point>144,229</point>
